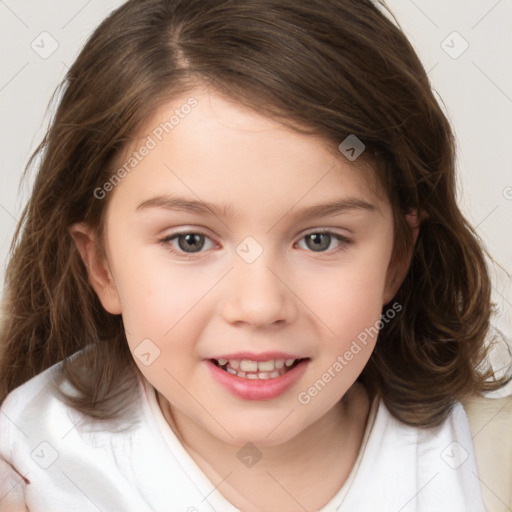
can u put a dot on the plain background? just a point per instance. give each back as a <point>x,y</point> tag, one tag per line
<point>465,46</point>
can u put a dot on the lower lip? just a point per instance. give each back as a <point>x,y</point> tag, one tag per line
<point>258,389</point>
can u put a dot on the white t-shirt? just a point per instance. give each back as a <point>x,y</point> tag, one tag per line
<point>54,459</point>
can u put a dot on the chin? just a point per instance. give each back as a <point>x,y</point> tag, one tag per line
<point>271,430</point>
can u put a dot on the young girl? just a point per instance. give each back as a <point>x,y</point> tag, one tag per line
<point>242,281</point>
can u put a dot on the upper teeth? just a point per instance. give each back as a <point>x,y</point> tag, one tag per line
<point>246,365</point>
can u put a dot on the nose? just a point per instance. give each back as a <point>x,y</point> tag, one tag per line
<point>258,294</point>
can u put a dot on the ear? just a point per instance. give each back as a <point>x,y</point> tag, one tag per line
<point>98,270</point>
<point>399,266</point>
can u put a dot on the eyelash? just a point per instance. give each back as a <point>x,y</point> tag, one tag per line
<point>344,242</point>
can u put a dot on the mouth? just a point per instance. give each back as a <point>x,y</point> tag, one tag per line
<point>263,376</point>
<point>257,370</point>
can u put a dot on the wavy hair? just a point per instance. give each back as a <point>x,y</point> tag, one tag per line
<point>330,68</point>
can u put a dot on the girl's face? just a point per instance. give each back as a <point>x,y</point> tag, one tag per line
<point>237,247</point>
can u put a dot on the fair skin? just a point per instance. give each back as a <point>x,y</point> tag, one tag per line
<point>194,306</point>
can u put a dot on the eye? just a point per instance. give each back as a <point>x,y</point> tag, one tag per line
<point>191,242</point>
<point>321,241</point>
<point>186,242</point>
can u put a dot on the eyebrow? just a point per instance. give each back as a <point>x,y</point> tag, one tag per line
<point>174,203</point>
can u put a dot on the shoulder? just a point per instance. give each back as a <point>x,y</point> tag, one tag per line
<point>23,402</point>
<point>443,450</point>
<point>35,417</point>
<point>24,427</point>
<point>55,448</point>
<point>434,468</point>
<point>25,411</point>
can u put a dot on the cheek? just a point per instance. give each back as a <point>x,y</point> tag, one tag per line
<point>167,304</point>
<point>149,288</point>
<point>350,304</point>
<point>162,325</point>
<point>350,296</point>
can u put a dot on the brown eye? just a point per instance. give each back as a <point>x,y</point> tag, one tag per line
<point>191,242</point>
<point>322,241</point>
<point>318,241</point>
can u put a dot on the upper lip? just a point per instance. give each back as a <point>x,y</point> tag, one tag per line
<point>263,356</point>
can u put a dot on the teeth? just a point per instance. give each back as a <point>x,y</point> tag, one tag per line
<point>266,366</point>
<point>261,370</point>
<point>248,366</point>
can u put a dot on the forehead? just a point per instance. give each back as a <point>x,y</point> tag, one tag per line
<point>207,143</point>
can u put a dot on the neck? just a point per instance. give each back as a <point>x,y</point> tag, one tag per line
<point>320,457</point>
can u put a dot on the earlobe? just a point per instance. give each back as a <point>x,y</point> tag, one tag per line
<point>98,270</point>
<point>399,265</point>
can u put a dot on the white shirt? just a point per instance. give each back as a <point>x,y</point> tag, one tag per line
<point>54,459</point>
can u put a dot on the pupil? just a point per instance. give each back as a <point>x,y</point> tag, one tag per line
<point>193,241</point>
<point>320,241</point>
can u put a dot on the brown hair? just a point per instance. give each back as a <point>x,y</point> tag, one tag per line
<point>332,67</point>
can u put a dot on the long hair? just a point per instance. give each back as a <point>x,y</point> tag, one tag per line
<point>330,68</point>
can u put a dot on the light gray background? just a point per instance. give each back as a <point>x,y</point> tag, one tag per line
<point>475,86</point>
